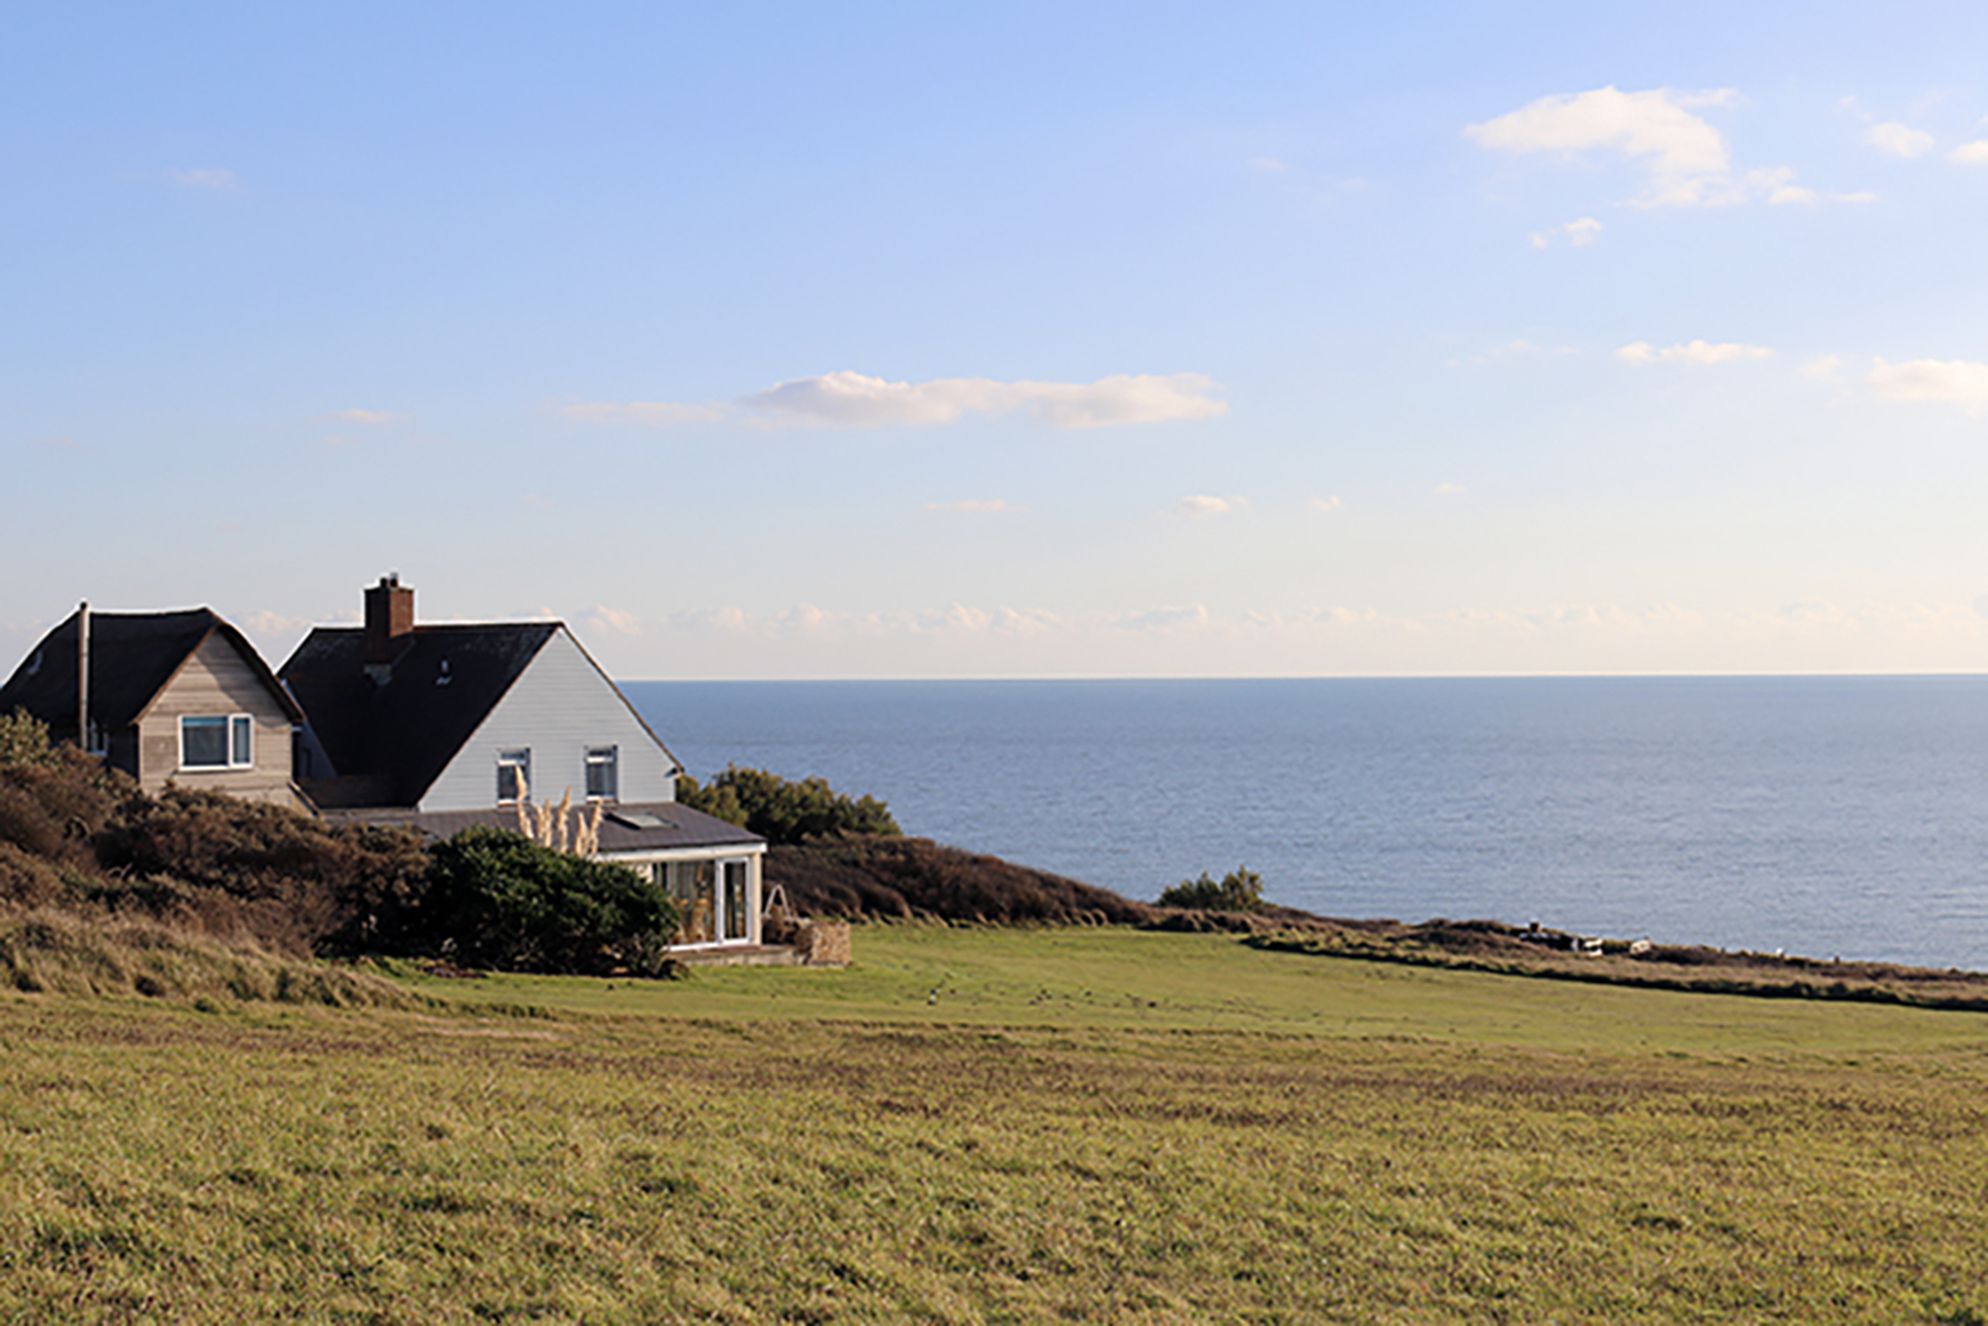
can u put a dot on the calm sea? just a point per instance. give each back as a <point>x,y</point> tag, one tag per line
<point>1821,815</point>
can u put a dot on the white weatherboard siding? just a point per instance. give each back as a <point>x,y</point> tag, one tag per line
<point>558,708</point>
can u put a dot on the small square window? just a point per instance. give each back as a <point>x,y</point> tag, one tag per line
<point>603,773</point>
<point>514,775</point>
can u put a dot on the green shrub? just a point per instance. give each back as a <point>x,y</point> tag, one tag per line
<point>783,810</point>
<point>496,899</point>
<point>1241,890</point>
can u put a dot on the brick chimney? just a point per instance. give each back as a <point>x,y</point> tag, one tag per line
<point>389,619</point>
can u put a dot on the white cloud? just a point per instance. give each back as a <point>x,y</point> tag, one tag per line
<point>1330,502</point>
<point>1579,233</point>
<point>207,177</point>
<point>1685,156</point>
<point>1970,154</point>
<point>1269,165</point>
<point>980,504</point>
<point>1205,504</point>
<point>651,414</point>
<point>1821,367</point>
<point>266,622</point>
<point>365,418</point>
<point>1657,126</point>
<point>858,400</point>
<point>1959,382</point>
<point>1691,352</point>
<point>618,620</point>
<point>1449,490</point>
<point>1898,140</point>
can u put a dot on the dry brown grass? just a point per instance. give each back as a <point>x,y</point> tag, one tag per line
<point>56,952</point>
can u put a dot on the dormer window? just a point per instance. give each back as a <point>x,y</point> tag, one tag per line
<point>211,742</point>
<point>514,775</point>
<point>603,773</point>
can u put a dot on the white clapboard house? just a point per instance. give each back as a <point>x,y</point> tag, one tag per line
<point>446,725</point>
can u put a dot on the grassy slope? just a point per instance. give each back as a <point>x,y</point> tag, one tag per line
<point>1097,1125</point>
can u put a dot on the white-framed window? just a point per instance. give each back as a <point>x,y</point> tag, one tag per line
<point>514,775</point>
<point>216,741</point>
<point>603,773</point>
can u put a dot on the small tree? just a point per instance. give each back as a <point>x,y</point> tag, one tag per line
<point>1241,890</point>
<point>784,810</point>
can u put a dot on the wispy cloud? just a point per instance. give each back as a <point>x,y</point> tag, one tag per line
<point>1330,502</point>
<point>1578,233</point>
<point>205,177</point>
<point>1206,504</point>
<point>1182,617</point>
<point>987,505</point>
<point>1684,156</point>
<point>1959,382</point>
<point>648,414</point>
<point>1898,140</point>
<point>1691,352</point>
<point>366,418</point>
<point>1269,165</point>
<point>859,400</point>
<point>1449,490</point>
<point>1821,367</point>
<point>807,619</point>
<point>1970,154</point>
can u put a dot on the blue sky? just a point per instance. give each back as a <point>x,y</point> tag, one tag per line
<point>1033,340</point>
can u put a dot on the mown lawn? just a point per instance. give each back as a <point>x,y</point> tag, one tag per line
<point>998,1126</point>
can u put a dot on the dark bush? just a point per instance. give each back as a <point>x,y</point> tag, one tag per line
<point>287,877</point>
<point>782,810</point>
<point>52,807</point>
<point>497,899</point>
<point>1241,890</point>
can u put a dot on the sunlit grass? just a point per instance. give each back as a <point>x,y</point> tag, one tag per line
<point>1085,1125</point>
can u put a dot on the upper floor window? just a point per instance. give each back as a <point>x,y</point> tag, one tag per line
<point>603,773</point>
<point>514,775</point>
<point>216,741</point>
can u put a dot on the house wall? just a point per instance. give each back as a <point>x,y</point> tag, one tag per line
<point>560,706</point>
<point>216,679</point>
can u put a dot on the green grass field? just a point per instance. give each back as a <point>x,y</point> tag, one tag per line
<point>1085,1125</point>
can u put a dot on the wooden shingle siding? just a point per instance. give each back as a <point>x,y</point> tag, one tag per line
<point>217,680</point>
<point>559,707</point>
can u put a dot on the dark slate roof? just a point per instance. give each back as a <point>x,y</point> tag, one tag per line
<point>132,657</point>
<point>624,828</point>
<point>396,737</point>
